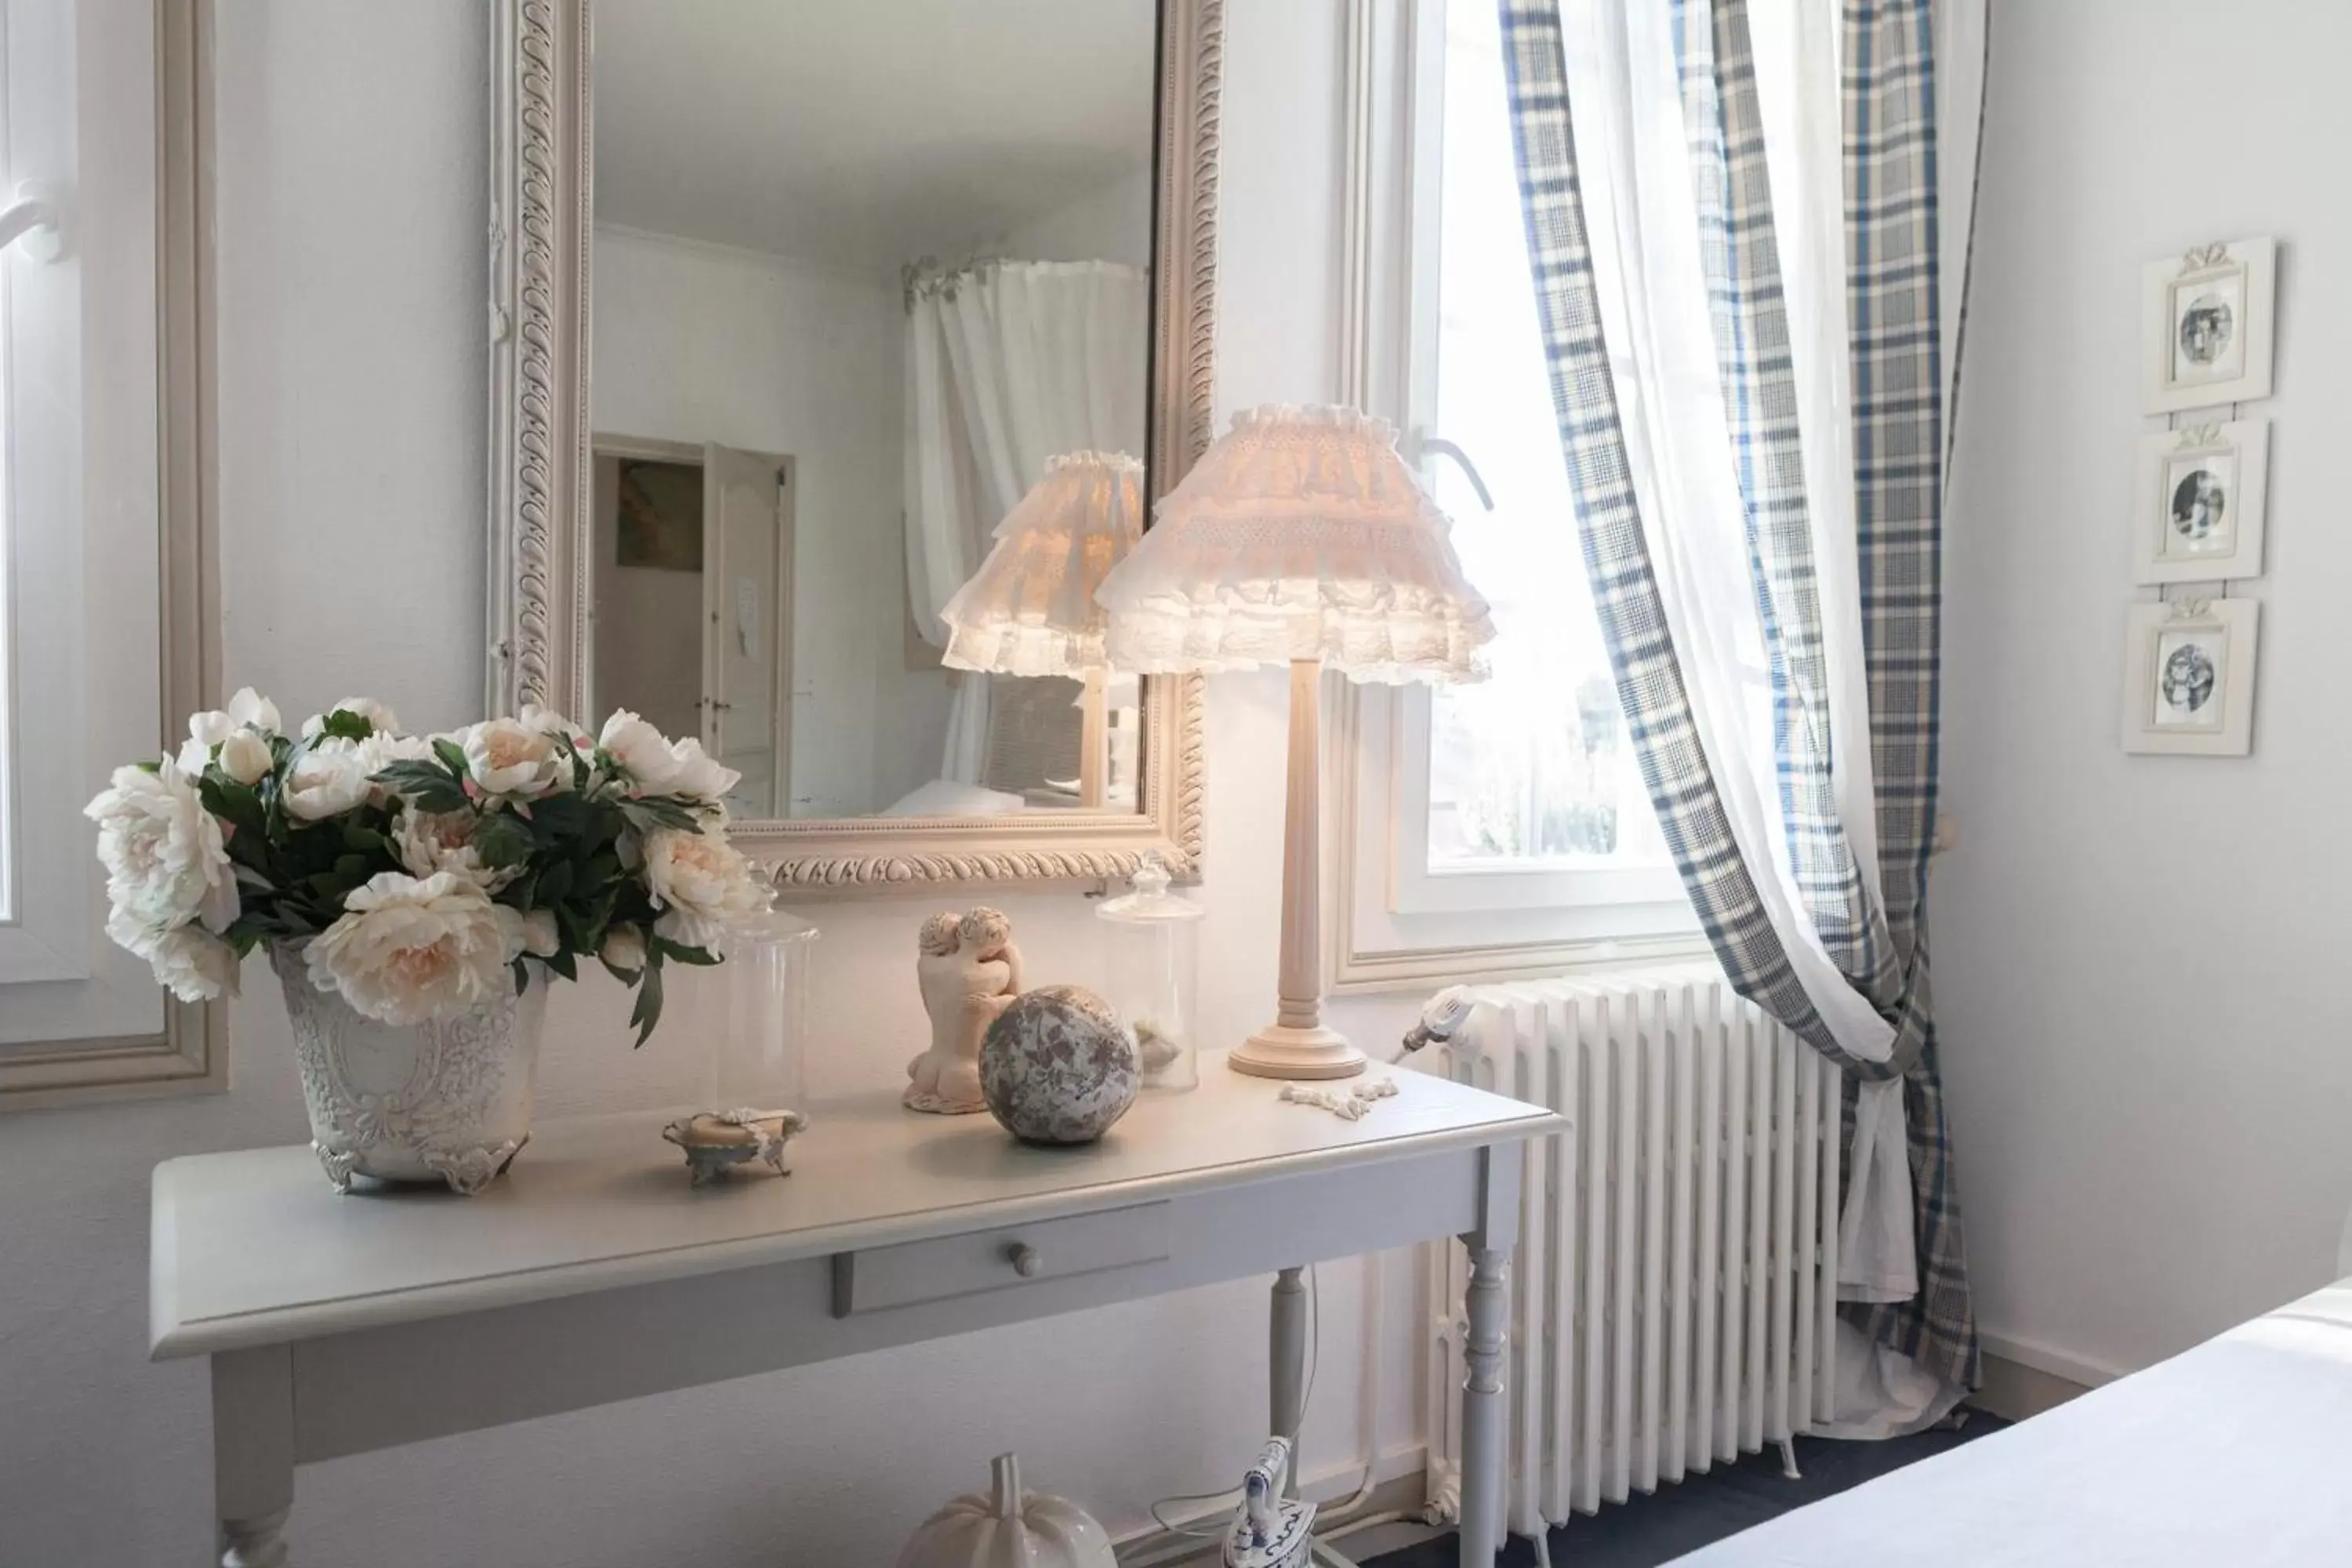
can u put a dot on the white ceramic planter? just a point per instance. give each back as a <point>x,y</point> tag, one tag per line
<point>443,1102</point>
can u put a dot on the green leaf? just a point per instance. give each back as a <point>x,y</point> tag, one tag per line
<point>555,883</point>
<point>232,801</point>
<point>683,953</point>
<point>648,1010</point>
<point>562,961</point>
<point>352,867</point>
<point>502,840</point>
<point>358,836</point>
<point>345,724</point>
<point>250,850</point>
<point>424,783</point>
<point>522,977</point>
<point>657,812</point>
<point>559,818</point>
<point>452,757</point>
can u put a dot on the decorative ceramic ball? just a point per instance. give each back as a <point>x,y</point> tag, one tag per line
<point>1058,1066</point>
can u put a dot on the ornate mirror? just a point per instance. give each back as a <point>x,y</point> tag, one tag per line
<point>837,348</point>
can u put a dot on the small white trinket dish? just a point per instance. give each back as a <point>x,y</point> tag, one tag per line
<point>716,1142</point>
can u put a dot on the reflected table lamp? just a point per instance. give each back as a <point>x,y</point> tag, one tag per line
<point>1300,538</point>
<point>1031,610</point>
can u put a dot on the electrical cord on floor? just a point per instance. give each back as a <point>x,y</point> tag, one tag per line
<point>1212,1525</point>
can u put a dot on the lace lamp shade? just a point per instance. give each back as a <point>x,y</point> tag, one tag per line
<point>1030,609</point>
<point>1301,534</point>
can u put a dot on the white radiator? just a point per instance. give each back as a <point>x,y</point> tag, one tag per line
<point>1672,1295</point>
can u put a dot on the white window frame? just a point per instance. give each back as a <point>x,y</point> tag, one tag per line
<point>1393,924</point>
<point>126,635</point>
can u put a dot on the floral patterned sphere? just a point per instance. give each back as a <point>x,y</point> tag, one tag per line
<point>1058,1067</point>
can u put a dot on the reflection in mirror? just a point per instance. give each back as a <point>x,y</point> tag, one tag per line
<point>864,272</point>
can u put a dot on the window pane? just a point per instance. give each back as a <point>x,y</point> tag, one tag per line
<point>1531,769</point>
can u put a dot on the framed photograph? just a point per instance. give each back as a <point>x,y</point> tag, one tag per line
<point>2208,326</point>
<point>2188,678</point>
<point>2198,516</point>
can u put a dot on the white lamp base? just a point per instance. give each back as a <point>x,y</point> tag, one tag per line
<point>1279,1051</point>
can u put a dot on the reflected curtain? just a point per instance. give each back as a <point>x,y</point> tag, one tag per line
<point>1008,364</point>
<point>1732,211</point>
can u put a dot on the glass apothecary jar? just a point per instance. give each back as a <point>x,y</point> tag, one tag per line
<point>761,1005</point>
<point>1155,975</point>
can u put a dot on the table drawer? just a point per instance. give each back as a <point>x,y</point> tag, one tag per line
<point>880,1277</point>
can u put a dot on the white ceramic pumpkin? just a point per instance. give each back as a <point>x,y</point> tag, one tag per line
<point>1008,1528</point>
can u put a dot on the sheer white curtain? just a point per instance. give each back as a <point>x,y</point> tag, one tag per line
<point>1641,213</point>
<point>1008,364</point>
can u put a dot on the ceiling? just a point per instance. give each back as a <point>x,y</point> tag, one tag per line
<point>864,133</point>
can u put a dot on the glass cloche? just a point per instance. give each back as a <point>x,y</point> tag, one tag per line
<point>762,1030</point>
<point>1155,975</point>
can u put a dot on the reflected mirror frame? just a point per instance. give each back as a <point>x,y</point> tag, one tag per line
<point>540,428</point>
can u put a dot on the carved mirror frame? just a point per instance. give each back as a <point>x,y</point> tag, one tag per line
<point>540,469</point>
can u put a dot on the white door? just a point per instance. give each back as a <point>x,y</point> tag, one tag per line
<point>747,520</point>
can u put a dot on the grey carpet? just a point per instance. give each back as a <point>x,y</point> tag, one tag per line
<point>1659,1528</point>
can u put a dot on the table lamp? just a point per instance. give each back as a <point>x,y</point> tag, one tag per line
<point>1300,537</point>
<point>1030,609</point>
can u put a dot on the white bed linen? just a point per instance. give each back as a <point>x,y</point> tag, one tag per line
<point>2238,1452</point>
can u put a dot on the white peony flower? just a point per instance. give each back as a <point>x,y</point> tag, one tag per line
<point>700,883</point>
<point>245,757</point>
<point>699,773</point>
<point>195,964</point>
<point>407,950</point>
<point>381,718</point>
<point>642,751</point>
<point>209,732</point>
<point>548,722</point>
<point>425,842</point>
<point>250,709</point>
<point>508,757</point>
<point>328,777</point>
<point>541,936</point>
<point>164,856</point>
<point>623,949</point>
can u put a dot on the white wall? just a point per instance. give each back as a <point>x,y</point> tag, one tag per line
<point>2140,959</point>
<point>351,156</point>
<point>698,343</point>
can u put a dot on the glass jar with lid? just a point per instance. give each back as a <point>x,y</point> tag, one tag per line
<point>1155,975</point>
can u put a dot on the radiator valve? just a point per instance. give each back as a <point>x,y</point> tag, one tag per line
<point>1441,1020</point>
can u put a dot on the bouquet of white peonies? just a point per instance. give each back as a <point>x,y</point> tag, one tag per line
<point>417,872</point>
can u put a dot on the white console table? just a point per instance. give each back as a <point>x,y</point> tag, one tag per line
<point>592,1272</point>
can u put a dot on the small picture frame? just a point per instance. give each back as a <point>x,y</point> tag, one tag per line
<point>2197,513</point>
<point>2207,326</point>
<point>2188,678</point>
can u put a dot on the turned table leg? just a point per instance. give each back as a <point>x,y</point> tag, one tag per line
<point>1286,1348</point>
<point>253,1454</point>
<point>1481,1407</point>
<point>1484,1461</point>
<point>255,1542</point>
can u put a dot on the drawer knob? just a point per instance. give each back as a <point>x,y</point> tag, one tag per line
<point>1027,1260</point>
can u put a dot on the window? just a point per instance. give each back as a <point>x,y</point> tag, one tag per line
<point>104,643</point>
<point>1518,834</point>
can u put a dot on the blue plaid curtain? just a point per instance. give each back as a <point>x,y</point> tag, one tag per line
<point>1897,419</point>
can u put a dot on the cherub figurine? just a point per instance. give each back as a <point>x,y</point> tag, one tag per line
<point>969,972</point>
